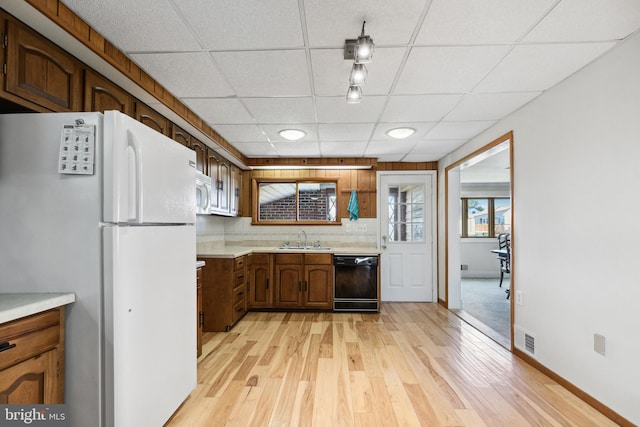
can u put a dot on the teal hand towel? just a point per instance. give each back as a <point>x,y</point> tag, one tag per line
<point>353,206</point>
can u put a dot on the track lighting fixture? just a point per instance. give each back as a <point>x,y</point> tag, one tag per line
<point>360,50</point>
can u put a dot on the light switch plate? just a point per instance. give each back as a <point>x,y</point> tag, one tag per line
<point>598,343</point>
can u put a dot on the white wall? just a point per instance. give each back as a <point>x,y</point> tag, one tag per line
<point>476,254</point>
<point>575,243</point>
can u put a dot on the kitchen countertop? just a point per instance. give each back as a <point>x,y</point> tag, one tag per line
<point>15,306</point>
<point>237,251</point>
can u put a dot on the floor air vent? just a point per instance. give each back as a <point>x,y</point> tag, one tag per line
<point>525,340</point>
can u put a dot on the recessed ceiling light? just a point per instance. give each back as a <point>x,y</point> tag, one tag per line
<point>292,134</point>
<point>401,133</point>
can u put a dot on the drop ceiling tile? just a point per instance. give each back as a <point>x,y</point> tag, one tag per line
<point>458,130</point>
<point>343,149</point>
<point>297,149</point>
<point>419,108</point>
<point>588,20</point>
<point>266,73</point>
<point>272,131</point>
<point>447,69</point>
<point>345,132</point>
<point>281,110</point>
<point>437,146</point>
<point>421,129</point>
<point>336,110</point>
<point>204,78</point>
<point>526,68</point>
<point>122,24</point>
<point>330,22</point>
<point>216,111</point>
<point>489,106</point>
<point>232,24</point>
<point>398,147</point>
<point>241,133</point>
<point>256,149</point>
<point>423,157</point>
<point>331,71</point>
<point>470,22</point>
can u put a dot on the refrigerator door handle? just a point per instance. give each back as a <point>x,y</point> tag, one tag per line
<point>135,195</point>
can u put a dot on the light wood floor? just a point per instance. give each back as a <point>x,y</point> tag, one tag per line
<point>412,364</point>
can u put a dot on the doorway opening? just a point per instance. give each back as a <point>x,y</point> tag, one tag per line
<point>479,215</point>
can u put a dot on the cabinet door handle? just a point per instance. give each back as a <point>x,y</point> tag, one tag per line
<point>299,286</point>
<point>6,346</point>
<point>305,286</point>
<point>267,283</point>
<point>240,293</point>
<point>201,318</point>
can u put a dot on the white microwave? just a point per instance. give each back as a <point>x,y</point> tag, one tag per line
<point>203,194</point>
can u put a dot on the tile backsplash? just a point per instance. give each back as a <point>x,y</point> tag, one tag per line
<point>214,231</point>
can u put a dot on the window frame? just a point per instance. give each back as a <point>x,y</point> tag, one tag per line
<point>491,219</point>
<point>255,200</point>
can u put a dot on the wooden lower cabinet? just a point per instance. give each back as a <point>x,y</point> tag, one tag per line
<point>260,280</point>
<point>199,312</point>
<point>224,289</point>
<point>32,364</point>
<point>304,281</point>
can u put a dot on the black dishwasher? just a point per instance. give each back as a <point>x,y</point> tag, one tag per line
<point>356,283</point>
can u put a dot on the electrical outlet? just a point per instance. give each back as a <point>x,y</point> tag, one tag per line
<point>361,228</point>
<point>348,227</point>
<point>519,298</point>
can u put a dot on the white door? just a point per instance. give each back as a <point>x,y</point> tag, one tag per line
<point>149,178</point>
<point>150,331</point>
<point>406,210</point>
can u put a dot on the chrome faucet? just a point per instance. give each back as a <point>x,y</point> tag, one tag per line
<point>305,237</point>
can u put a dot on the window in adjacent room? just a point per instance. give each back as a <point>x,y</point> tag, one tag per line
<point>485,217</point>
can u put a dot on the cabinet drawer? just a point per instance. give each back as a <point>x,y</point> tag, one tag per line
<point>260,259</point>
<point>238,294</point>
<point>318,259</point>
<point>238,311</point>
<point>289,259</point>
<point>239,262</point>
<point>31,336</point>
<point>238,278</point>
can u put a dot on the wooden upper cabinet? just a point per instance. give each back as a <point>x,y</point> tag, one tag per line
<point>181,136</point>
<point>40,72</point>
<point>201,155</point>
<point>152,119</point>
<point>102,95</point>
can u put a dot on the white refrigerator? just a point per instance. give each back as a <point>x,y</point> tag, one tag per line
<point>103,206</point>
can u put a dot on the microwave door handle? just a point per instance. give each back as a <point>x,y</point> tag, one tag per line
<point>137,170</point>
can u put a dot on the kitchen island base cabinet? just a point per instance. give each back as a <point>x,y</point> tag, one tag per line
<point>304,281</point>
<point>224,289</point>
<point>32,362</point>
